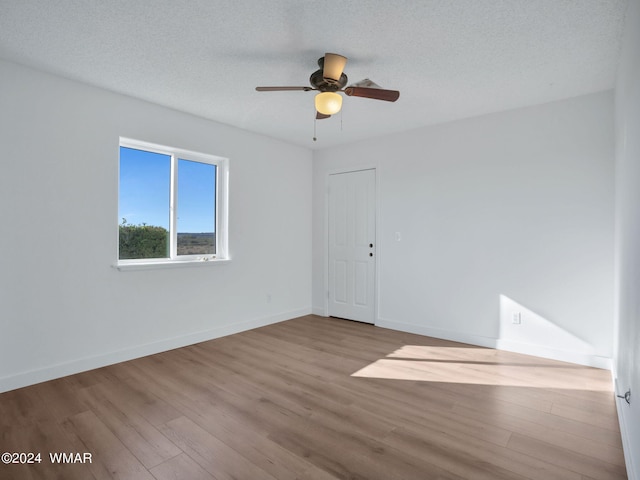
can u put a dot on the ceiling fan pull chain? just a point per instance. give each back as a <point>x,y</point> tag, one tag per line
<point>315,122</point>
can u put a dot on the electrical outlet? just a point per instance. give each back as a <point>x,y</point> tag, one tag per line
<point>516,318</point>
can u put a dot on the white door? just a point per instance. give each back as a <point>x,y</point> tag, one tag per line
<point>352,252</point>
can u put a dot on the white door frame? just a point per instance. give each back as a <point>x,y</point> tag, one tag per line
<point>376,289</point>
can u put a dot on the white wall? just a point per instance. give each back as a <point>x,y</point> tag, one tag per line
<point>509,212</point>
<point>627,356</point>
<point>63,308</point>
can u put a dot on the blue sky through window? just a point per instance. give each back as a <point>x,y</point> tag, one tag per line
<point>145,191</point>
<point>196,197</point>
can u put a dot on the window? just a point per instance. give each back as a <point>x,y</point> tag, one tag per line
<point>172,205</point>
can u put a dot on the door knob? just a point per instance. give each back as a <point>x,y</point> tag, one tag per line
<point>371,245</point>
<point>371,254</point>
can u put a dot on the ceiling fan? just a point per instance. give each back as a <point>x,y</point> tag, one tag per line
<point>331,79</point>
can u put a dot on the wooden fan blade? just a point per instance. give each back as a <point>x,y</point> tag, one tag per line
<point>333,66</point>
<point>321,116</point>
<point>282,89</point>
<point>375,93</point>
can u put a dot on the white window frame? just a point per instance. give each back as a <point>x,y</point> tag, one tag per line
<point>221,206</point>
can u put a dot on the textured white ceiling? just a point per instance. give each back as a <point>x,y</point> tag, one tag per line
<point>450,59</point>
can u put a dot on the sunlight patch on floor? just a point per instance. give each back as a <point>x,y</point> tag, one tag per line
<point>482,366</point>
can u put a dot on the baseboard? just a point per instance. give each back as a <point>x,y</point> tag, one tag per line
<point>633,469</point>
<point>32,377</point>
<point>500,344</point>
<point>633,472</point>
<point>318,311</point>
<point>437,333</point>
<point>543,351</point>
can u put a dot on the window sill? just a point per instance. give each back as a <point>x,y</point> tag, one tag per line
<point>160,265</point>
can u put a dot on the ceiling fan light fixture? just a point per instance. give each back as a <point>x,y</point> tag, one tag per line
<point>328,103</point>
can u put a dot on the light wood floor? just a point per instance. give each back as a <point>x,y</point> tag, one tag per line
<point>321,399</point>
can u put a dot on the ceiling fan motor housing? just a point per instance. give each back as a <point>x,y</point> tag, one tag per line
<point>318,81</point>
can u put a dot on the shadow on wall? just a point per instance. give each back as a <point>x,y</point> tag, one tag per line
<point>524,331</point>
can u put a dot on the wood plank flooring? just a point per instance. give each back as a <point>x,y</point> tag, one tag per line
<point>321,399</point>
